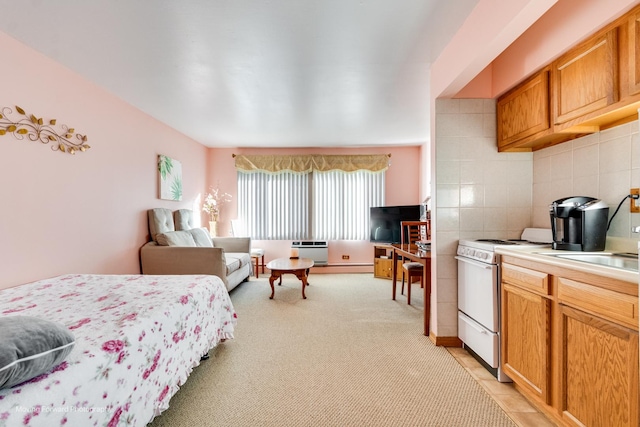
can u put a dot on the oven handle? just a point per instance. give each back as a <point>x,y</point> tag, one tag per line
<point>476,263</point>
<point>476,328</point>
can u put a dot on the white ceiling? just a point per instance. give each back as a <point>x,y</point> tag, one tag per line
<point>255,73</point>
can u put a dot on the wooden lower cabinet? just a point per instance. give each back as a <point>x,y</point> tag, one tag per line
<point>571,347</point>
<point>383,269</point>
<point>525,343</point>
<point>599,381</point>
<point>383,263</point>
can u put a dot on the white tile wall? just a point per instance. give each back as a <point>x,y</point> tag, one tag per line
<point>479,193</point>
<point>483,193</point>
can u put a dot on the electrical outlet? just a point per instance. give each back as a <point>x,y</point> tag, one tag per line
<point>345,256</point>
<point>634,206</point>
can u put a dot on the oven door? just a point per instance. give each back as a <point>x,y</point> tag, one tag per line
<point>478,291</point>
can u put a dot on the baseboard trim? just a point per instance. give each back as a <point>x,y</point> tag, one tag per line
<point>445,341</point>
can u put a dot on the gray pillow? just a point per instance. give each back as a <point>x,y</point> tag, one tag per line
<point>30,346</point>
<point>175,238</point>
<point>201,237</point>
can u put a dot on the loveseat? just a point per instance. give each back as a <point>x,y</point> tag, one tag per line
<point>178,246</point>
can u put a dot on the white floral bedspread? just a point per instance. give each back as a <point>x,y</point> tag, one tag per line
<point>137,340</point>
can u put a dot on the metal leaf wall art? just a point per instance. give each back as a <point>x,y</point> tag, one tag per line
<point>34,128</point>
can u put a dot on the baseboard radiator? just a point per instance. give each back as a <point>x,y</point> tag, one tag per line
<point>317,250</point>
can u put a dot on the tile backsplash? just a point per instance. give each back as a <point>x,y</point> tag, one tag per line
<point>604,165</point>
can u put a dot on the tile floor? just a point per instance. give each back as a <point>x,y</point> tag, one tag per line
<point>510,400</point>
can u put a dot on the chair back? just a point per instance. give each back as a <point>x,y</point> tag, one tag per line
<point>415,231</point>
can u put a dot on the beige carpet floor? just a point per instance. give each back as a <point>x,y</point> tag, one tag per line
<point>346,356</point>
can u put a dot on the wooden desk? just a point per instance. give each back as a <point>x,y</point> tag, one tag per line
<point>413,253</point>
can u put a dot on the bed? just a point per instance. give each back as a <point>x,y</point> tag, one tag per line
<point>137,339</point>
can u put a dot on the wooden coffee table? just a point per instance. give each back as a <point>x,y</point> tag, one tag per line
<point>299,266</point>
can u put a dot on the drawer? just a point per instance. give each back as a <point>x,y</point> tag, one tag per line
<point>606,303</point>
<point>532,280</point>
<point>479,339</point>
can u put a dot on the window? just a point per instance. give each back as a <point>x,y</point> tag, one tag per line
<point>274,206</point>
<point>341,202</point>
<point>331,205</point>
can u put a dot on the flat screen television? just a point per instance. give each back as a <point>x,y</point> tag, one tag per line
<point>385,221</point>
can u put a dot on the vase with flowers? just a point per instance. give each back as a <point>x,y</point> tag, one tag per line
<point>213,201</point>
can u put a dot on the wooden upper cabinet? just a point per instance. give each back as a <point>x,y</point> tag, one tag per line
<point>594,86</point>
<point>585,79</point>
<point>634,52</point>
<point>523,112</point>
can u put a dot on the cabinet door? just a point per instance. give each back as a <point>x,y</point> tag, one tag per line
<point>526,339</point>
<point>586,79</point>
<point>382,268</point>
<point>524,111</point>
<point>599,384</point>
<point>634,53</point>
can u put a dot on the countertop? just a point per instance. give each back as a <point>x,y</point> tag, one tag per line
<point>533,254</point>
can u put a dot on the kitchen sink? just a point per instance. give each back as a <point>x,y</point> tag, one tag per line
<point>625,261</point>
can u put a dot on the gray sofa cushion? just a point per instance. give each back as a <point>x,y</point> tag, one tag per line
<point>183,219</point>
<point>30,346</point>
<point>176,238</point>
<point>160,221</point>
<point>235,261</point>
<point>201,237</point>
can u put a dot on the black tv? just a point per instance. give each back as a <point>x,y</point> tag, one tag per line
<point>385,222</point>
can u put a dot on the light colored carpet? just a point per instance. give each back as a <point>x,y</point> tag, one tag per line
<point>346,356</point>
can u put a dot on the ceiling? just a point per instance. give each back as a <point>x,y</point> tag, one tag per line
<point>255,73</point>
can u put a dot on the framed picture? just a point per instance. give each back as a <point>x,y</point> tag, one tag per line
<point>170,175</point>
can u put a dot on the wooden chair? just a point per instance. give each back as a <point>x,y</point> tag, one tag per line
<point>412,232</point>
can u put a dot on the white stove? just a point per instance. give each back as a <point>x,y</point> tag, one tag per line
<point>479,295</point>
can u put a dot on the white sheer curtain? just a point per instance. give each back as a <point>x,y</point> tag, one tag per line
<point>274,206</point>
<point>341,202</point>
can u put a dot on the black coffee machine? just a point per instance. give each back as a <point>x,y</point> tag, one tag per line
<point>579,224</point>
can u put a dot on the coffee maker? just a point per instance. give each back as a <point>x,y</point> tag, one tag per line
<point>579,224</point>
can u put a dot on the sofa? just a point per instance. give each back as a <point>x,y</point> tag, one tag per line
<point>178,246</point>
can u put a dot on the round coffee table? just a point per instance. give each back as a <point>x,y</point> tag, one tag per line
<point>298,266</point>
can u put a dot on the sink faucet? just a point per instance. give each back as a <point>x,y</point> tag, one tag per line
<point>635,229</point>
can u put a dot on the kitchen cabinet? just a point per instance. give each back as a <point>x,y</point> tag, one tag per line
<point>586,78</point>
<point>523,112</point>
<point>593,86</point>
<point>526,314</point>
<point>599,382</point>
<point>525,342</point>
<point>570,342</point>
<point>633,52</point>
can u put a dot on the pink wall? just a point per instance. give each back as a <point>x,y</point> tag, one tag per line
<point>402,181</point>
<point>562,25</point>
<point>84,213</point>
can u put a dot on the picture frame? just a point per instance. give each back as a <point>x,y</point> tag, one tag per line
<point>170,178</point>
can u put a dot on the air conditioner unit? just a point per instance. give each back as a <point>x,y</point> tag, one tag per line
<point>317,250</point>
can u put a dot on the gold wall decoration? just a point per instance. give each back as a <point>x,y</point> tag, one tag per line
<point>64,140</point>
